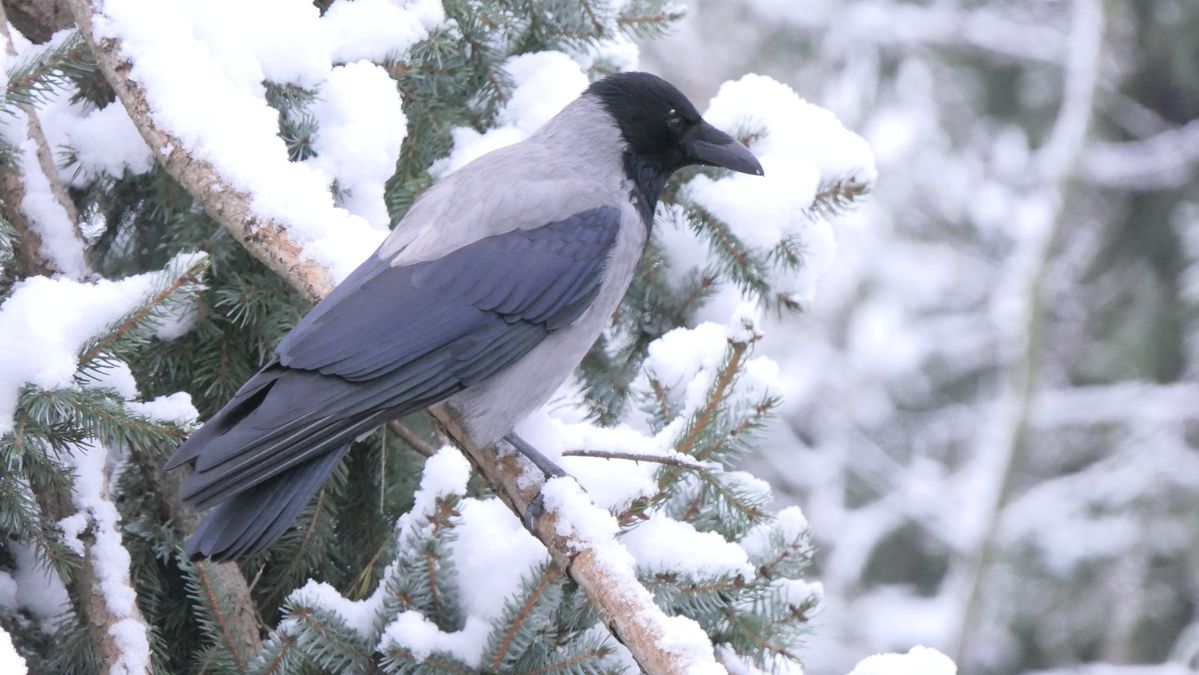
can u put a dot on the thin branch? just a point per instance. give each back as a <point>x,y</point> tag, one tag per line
<point>624,606</point>
<point>682,461</point>
<point>547,575</point>
<point>412,438</point>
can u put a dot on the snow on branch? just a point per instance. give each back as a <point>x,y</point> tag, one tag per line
<point>34,197</point>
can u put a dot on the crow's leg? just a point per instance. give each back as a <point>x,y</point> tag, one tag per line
<point>537,506</point>
<point>534,455</point>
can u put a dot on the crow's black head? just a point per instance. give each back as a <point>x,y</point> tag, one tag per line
<point>664,132</point>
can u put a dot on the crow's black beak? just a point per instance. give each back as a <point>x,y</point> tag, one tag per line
<point>705,144</point>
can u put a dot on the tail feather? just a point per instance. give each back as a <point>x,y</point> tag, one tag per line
<point>250,521</point>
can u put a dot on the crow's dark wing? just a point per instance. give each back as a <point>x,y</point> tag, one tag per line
<point>386,342</point>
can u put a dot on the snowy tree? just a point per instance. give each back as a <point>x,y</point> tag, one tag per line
<point>180,179</point>
<point>991,419</point>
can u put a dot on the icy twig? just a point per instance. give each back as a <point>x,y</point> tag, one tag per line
<point>625,606</point>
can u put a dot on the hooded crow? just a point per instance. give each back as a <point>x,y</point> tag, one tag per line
<point>486,296</point>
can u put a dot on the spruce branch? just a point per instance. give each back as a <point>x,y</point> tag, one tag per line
<point>626,613</point>
<point>90,597</point>
<point>13,189</point>
<point>48,68</point>
<point>216,612</point>
<point>836,196</point>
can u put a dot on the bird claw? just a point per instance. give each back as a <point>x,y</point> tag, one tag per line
<point>536,507</point>
<point>534,511</point>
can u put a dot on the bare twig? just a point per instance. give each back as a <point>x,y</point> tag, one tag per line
<point>627,613</point>
<point>682,461</point>
<point>412,438</point>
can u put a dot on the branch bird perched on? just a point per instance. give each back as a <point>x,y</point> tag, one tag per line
<point>486,296</point>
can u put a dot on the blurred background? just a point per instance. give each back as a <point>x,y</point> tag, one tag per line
<point>992,419</point>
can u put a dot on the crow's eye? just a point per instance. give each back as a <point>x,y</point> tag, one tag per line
<point>674,122</point>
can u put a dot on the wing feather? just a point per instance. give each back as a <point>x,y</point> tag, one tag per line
<point>386,342</point>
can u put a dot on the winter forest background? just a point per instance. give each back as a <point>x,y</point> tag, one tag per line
<point>977,377</point>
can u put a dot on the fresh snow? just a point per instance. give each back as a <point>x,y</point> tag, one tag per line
<point>358,614</point>
<point>203,82</point>
<point>543,83</point>
<point>360,126</point>
<point>46,322</point>
<point>412,631</point>
<point>918,661</point>
<point>11,662</point>
<point>664,545</point>
<point>47,217</point>
<point>801,146</point>
<point>38,589</point>
<point>377,30</point>
<point>108,557</point>
<point>493,555</point>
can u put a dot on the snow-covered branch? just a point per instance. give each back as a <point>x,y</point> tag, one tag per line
<point>580,537</point>
<point>35,199</point>
<point>265,238</point>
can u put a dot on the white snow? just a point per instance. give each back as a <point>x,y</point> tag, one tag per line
<point>46,322</point>
<point>203,82</point>
<point>105,142</point>
<point>800,145</point>
<point>358,614</point>
<point>789,525</point>
<point>412,631</point>
<point>176,408</point>
<point>8,591</point>
<point>60,242</point>
<point>11,662</point>
<point>38,588</point>
<point>918,661</point>
<point>377,30</point>
<point>663,545</point>
<point>543,83</point>
<point>115,376</point>
<point>108,556</point>
<point>493,554</point>
<point>360,129</point>
<point>445,474</point>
